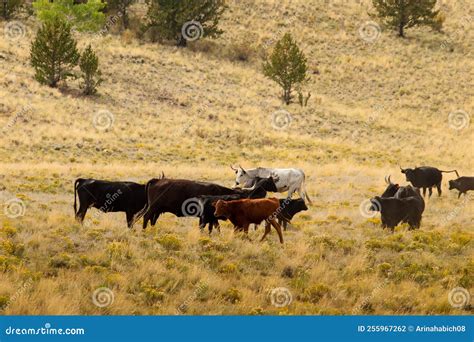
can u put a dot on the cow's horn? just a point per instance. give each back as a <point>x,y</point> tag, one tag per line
<point>389,180</point>
<point>242,168</point>
<point>162,175</point>
<point>386,181</point>
<point>233,168</point>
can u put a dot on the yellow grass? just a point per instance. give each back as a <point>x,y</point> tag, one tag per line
<point>193,112</point>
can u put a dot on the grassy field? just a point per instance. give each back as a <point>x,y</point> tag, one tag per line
<point>193,112</point>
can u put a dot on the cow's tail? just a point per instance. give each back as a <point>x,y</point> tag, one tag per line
<point>304,189</point>
<point>457,174</point>
<point>75,194</point>
<point>142,212</point>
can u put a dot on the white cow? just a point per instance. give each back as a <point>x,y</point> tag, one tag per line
<point>291,180</point>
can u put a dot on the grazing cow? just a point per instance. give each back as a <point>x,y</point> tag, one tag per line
<point>291,180</point>
<point>462,184</point>
<point>395,210</point>
<point>108,196</point>
<point>425,177</point>
<point>259,190</point>
<point>177,196</point>
<point>244,212</point>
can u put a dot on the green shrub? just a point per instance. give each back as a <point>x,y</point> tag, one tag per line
<point>170,242</point>
<point>53,52</point>
<point>232,296</point>
<point>62,260</point>
<point>89,64</point>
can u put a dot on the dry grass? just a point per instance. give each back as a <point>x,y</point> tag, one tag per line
<point>193,112</point>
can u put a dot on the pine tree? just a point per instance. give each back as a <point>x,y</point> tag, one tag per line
<point>89,65</point>
<point>403,14</point>
<point>86,16</point>
<point>9,7</point>
<point>53,52</point>
<point>185,19</point>
<point>287,66</point>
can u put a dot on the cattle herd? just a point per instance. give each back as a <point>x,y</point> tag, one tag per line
<point>247,203</point>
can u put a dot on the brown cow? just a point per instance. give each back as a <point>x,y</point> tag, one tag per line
<point>244,212</point>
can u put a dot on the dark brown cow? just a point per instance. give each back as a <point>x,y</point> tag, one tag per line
<point>462,184</point>
<point>242,213</point>
<point>178,197</point>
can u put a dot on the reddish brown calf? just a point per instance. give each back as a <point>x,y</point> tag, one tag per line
<point>244,212</point>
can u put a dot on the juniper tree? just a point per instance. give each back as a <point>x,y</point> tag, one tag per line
<point>9,7</point>
<point>403,14</point>
<point>287,66</point>
<point>170,16</point>
<point>89,65</point>
<point>53,52</point>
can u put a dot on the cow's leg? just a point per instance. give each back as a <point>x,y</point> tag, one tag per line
<point>154,219</point>
<point>202,225</point>
<point>430,191</point>
<point>438,186</point>
<point>255,227</point>
<point>278,229</point>
<point>424,192</point>
<point>147,217</point>
<point>211,226</point>
<point>459,194</point>
<point>129,215</point>
<point>267,230</point>
<point>81,213</point>
<point>302,193</point>
<point>291,191</point>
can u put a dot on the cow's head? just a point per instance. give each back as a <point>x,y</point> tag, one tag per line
<point>376,204</point>
<point>409,174</point>
<point>221,208</point>
<point>453,184</point>
<point>242,177</point>
<point>391,189</point>
<point>298,205</point>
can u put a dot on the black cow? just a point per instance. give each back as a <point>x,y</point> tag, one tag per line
<point>108,196</point>
<point>289,208</point>
<point>177,196</point>
<point>400,192</point>
<point>462,184</point>
<point>425,177</point>
<point>395,210</point>
<point>207,208</point>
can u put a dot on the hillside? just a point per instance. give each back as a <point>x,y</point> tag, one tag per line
<point>193,112</point>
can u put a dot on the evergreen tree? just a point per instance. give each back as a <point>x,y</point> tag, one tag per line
<point>185,19</point>
<point>403,14</point>
<point>287,66</point>
<point>53,52</point>
<point>86,16</point>
<point>89,65</point>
